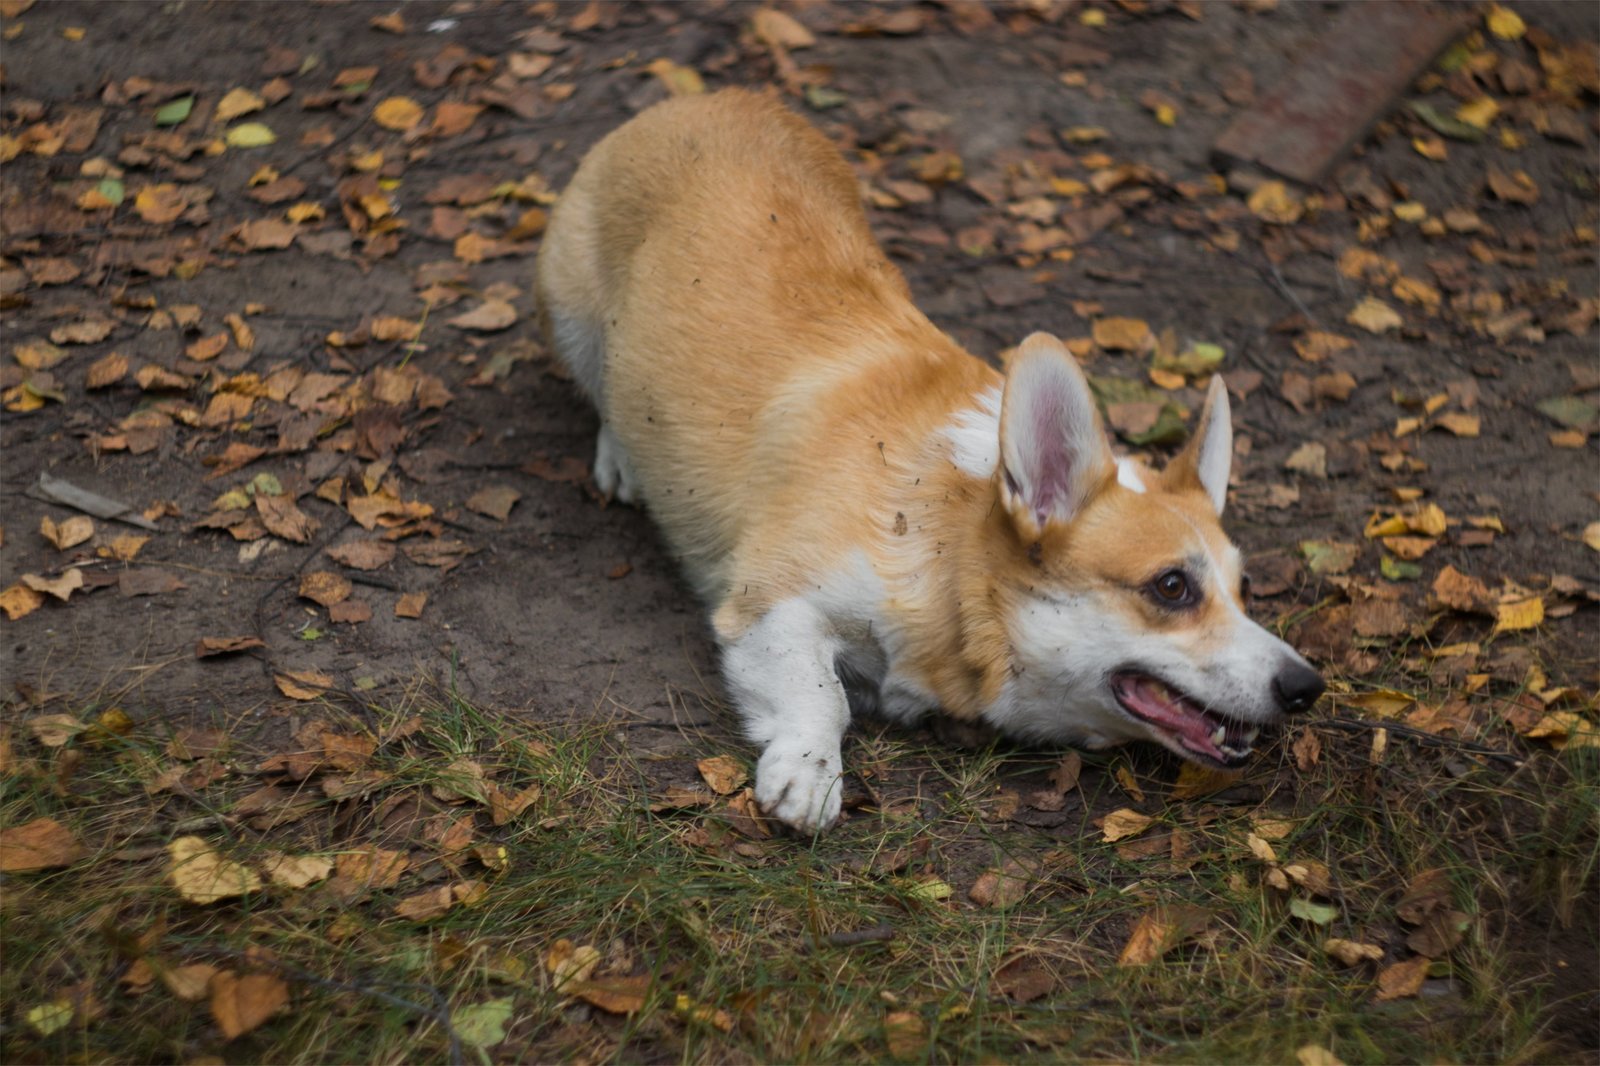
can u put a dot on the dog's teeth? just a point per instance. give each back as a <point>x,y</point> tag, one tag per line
<point>1219,736</point>
<point>1251,734</point>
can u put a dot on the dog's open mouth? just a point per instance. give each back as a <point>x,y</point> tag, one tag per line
<point>1211,736</point>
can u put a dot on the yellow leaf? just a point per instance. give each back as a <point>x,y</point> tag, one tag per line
<point>1591,535</point>
<point>1374,316</point>
<point>1566,729</point>
<point>1122,334</point>
<point>1479,112</point>
<point>202,876</point>
<point>397,113</point>
<point>296,871</point>
<point>305,211</point>
<point>1410,211</point>
<point>1166,114</point>
<point>69,534</point>
<point>1518,614</point>
<point>1271,202</point>
<point>238,102</point>
<point>679,80</point>
<point>47,1018</point>
<point>569,963</point>
<point>1092,16</point>
<point>723,773</point>
<point>1123,823</point>
<point>1504,23</point>
<point>250,135</point>
<point>1431,147</point>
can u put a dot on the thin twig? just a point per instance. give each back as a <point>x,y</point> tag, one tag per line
<point>1421,736</point>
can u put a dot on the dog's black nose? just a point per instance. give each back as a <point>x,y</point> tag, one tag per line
<point>1297,687</point>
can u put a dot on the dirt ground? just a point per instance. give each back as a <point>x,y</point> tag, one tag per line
<point>567,611</point>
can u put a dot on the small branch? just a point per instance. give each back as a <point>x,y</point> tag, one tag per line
<point>881,933</point>
<point>1421,736</point>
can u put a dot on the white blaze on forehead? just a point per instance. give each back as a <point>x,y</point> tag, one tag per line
<point>1128,475</point>
<point>974,435</point>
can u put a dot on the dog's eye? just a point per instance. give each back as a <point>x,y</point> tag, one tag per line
<point>1172,587</point>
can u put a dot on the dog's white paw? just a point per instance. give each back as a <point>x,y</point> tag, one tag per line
<point>613,470</point>
<point>800,788</point>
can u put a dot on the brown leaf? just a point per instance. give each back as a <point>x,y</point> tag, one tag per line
<point>1124,823</point>
<point>189,983</point>
<point>295,871</point>
<point>426,905</point>
<point>372,867</point>
<point>61,587</point>
<point>1429,891</point>
<point>283,518</point>
<point>1024,980</point>
<point>303,684</point>
<point>1006,886</point>
<point>565,469</point>
<point>41,844</point>
<point>90,332</point>
<point>363,554</point>
<point>1351,952</point>
<point>69,534</point>
<point>239,1004</point>
<point>350,612</point>
<point>1403,979</point>
<point>906,1034</point>
<point>723,773</point>
<point>269,233</point>
<point>1459,592</point>
<point>325,587</point>
<point>20,600</point>
<point>494,501</point>
<point>1159,930</point>
<point>1516,187</point>
<point>614,995</point>
<point>207,348</point>
<point>488,317</point>
<point>209,646</point>
<point>55,730</point>
<point>778,30</point>
<point>410,605</point>
<point>1122,334</point>
<point>106,371</point>
<point>1307,749</point>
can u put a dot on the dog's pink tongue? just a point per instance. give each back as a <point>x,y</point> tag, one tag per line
<point>1157,703</point>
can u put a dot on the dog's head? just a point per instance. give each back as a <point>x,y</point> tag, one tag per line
<point>1121,600</point>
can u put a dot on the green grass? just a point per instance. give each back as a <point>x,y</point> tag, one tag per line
<point>742,926</point>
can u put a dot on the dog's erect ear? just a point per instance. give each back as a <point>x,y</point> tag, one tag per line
<point>1053,451</point>
<point>1206,459</point>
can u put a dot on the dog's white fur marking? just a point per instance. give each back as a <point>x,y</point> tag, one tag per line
<point>1128,475</point>
<point>781,674</point>
<point>974,436</point>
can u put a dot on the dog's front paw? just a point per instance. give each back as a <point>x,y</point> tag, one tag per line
<point>800,788</point>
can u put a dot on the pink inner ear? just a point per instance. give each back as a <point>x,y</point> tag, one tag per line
<point>1051,475</point>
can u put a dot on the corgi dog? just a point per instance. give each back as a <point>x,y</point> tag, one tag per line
<point>875,517</point>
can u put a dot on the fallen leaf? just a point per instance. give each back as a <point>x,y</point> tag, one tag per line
<point>209,646</point>
<point>494,501</point>
<point>482,1025</point>
<point>1271,202</point>
<point>723,773</point>
<point>1403,979</point>
<point>148,581</point>
<point>1316,1055</point>
<point>1159,930</point>
<point>1374,316</point>
<point>778,30</point>
<point>1006,886</point>
<point>20,600</point>
<point>189,983</point>
<point>303,684</point>
<point>1315,913</point>
<point>906,1034</point>
<point>569,963</point>
<point>1519,614</point>
<point>61,587</point>
<point>202,876</point>
<point>41,844</point>
<point>679,80</point>
<point>92,331</point>
<point>325,587</point>
<point>1122,334</point>
<point>105,371</point>
<point>296,871</point>
<point>1504,23</point>
<point>615,995</point>
<point>1124,823</point>
<point>488,317</point>
<point>398,113</point>
<point>372,867</point>
<point>1326,558</point>
<point>240,1004</point>
<point>410,605</point>
<point>69,534</point>
<point>237,102</point>
<point>250,135</point>
<point>283,518</point>
<point>1351,952</point>
<point>426,905</point>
